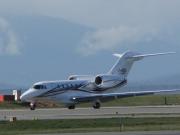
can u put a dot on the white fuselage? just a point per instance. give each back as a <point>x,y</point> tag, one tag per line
<point>61,91</point>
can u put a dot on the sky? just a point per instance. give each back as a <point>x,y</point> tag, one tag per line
<point>114,26</point>
<point>117,21</point>
<point>100,13</point>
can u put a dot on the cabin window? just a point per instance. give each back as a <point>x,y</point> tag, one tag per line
<point>38,87</point>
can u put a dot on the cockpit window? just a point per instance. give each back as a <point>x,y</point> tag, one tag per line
<point>38,87</point>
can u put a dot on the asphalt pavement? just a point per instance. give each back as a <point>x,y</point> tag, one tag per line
<point>83,113</point>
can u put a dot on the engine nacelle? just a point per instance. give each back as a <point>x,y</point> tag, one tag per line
<point>80,77</point>
<point>108,81</point>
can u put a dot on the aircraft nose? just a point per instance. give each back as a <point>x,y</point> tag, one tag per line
<point>23,97</point>
<point>28,95</point>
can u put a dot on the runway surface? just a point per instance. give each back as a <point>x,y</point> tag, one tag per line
<point>126,133</point>
<point>82,113</point>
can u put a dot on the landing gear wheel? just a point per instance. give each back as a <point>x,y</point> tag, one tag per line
<point>32,106</point>
<point>71,107</point>
<point>97,105</point>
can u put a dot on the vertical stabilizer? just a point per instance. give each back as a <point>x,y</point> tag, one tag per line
<point>126,60</point>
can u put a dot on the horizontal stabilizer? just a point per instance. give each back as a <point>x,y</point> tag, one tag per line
<point>155,54</point>
<point>118,55</point>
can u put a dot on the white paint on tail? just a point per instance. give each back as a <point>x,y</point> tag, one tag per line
<point>126,60</point>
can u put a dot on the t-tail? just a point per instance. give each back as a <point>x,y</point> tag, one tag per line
<point>126,60</point>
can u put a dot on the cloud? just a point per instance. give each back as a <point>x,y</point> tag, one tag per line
<point>115,37</point>
<point>99,13</point>
<point>9,43</point>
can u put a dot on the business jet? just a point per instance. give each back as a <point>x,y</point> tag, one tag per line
<point>87,88</point>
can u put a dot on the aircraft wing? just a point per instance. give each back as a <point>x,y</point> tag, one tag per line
<point>110,96</point>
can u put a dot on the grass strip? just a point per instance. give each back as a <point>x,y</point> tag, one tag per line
<point>89,125</point>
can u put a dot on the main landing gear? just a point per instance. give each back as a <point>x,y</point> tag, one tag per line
<point>97,105</point>
<point>32,106</point>
<point>71,107</point>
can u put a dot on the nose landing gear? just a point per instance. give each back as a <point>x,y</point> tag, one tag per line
<point>32,106</point>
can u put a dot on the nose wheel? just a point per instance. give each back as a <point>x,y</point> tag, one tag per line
<point>32,106</point>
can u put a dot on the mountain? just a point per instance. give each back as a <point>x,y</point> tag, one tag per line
<point>47,49</point>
